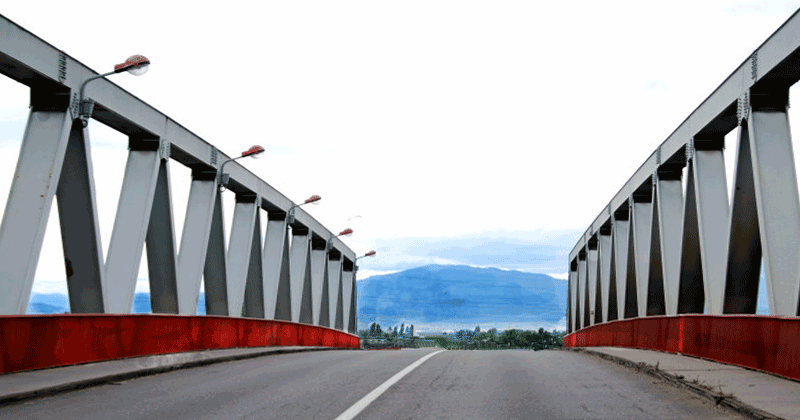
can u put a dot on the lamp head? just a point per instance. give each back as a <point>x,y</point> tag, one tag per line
<point>136,65</point>
<point>346,232</point>
<point>254,152</point>
<point>314,199</point>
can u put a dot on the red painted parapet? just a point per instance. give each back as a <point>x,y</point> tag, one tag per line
<point>41,341</point>
<point>767,343</point>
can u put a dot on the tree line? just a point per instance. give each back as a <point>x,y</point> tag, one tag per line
<point>491,339</point>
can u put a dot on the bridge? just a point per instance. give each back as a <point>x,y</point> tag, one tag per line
<point>668,265</point>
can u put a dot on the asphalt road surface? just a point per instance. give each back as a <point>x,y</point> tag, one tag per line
<point>324,385</point>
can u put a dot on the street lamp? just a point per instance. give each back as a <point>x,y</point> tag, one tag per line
<point>314,199</point>
<point>253,151</point>
<point>368,254</point>
<point>346,232</point>
<point>136,65</point>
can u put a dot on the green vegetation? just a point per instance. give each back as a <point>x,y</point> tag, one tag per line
<point>464,339</point>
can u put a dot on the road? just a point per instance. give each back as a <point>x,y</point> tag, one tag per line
<point>323,385</point>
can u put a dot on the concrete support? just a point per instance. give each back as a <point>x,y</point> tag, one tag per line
<point>130,228</point>
<point>301,276</point>
<point>654,282</point>
<point>195,239</point>
<point>631,297</point>
<point>573,296</point>
<point>324,319</point>
<point>80,233</point>
<point>29,201</point>
<point>277,301</point>
<point>239,252</point>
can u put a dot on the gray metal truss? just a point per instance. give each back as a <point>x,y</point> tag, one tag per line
<point>680,252</point>
<point>240,277</point>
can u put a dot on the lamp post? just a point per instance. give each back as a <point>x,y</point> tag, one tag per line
<point>223,178</point>
<point>314,199</point>
<point>136,65</point>
<point>368,254</point>
<point>346,232</point>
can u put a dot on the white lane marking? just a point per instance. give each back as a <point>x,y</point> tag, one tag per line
<point>359,406</point>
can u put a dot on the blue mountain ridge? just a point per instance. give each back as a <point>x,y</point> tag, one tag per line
<point>440,297</point>
<point>57,303</point>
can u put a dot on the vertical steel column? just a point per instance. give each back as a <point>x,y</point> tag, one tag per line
<point>254,289</point>
<point>301,275</point>
<point>705,228</point>
<point>583,299</point>
<point>35,181</point>
<point>80,234</point>
<point>348,278</point>
<point>669,193</point>
<point>239,250</point>
<point>277,298</point>
<point>160,246</point>
<point>766,177</point>
<point>195,239</point>
<point>325,299</point>
<point>642,225</point>
<point>131,224</point>
<point>605,270</point>
<point>593,266</point>
<point>573,296</point>
<point>621,244</point>
<point>319,257</point>
<point>630,308</point>
<point>215,270</point>
<point>654,286</point>
<point>335,290</point>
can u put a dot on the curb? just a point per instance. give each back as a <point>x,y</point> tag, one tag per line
<point>161,364</point>
<point>728,401</point>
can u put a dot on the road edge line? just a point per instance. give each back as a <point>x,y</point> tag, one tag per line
<point>364,402</point>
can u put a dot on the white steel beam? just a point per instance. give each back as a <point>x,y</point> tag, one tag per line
<point>277,301</point>
<point>80,233</point>
<point>301,276</point>
<point>642,226</point>
<point>239,250</point>
<point>605,273</point>
<point>130,229</point>
<point>621,236</point>
<point>161,249</point>
<point>669,193</point>
<point>348,280</point>
<point>254,289</point>
<point>215,271</point>
<point>30,199</point>
<point>335,291</point>
<point>591,259</point>
<point>194,242</point>
<point>319,259</point>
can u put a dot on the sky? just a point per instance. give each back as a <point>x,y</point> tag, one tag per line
<point>460,132</point>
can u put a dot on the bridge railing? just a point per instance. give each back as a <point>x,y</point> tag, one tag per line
<point>309,280</point>
<point>656,249</point>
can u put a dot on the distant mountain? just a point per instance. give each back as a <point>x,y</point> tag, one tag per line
<point>446,297</point>
<point>57,303</point>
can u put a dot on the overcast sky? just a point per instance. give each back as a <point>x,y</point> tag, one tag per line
<point>418,122</point>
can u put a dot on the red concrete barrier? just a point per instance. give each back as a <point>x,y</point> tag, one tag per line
<point>41,341</point>
<point>766,343</point>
